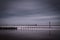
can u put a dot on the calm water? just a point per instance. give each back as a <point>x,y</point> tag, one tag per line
<point>33,32</point>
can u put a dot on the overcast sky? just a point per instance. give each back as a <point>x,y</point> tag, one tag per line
<point>29,11</point>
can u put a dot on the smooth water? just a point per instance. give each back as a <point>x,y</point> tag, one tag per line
<point>33,32</point>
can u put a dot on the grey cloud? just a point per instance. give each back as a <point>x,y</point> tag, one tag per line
<point>28,10</point>
<point>31,19</point>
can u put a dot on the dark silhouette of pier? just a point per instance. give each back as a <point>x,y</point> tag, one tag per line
<point>8,28</point>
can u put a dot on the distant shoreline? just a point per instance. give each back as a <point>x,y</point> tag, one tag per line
<point>29,25</point>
